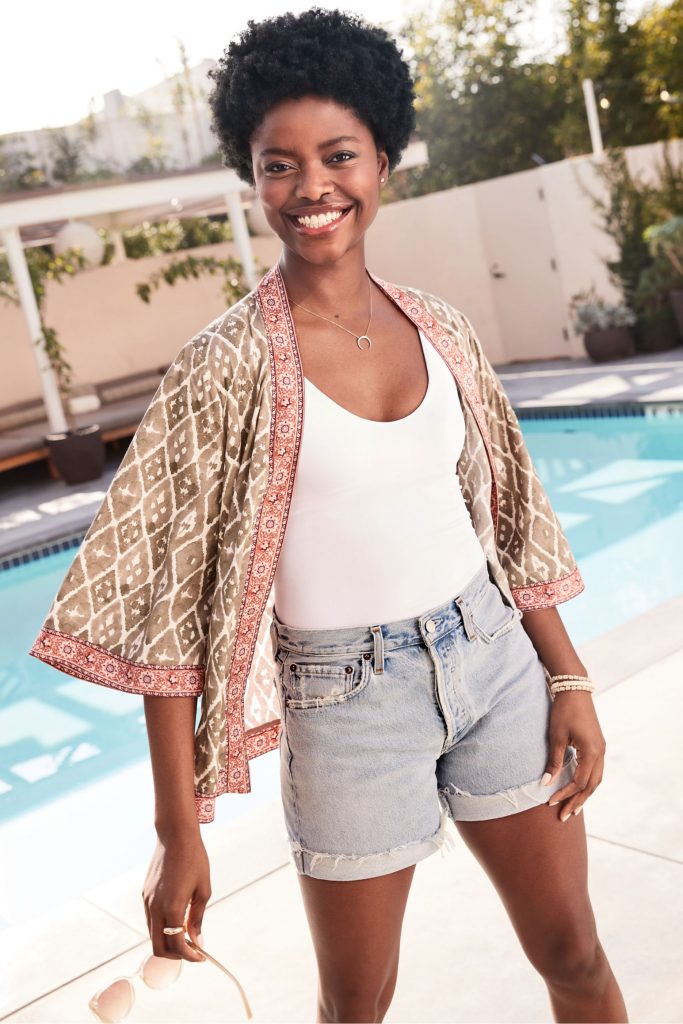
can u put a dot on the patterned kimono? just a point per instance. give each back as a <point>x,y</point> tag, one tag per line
<point>170,592</point>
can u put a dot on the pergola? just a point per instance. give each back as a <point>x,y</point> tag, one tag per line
<point>66,204</point>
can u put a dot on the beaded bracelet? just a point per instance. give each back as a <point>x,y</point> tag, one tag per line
<point>559,683</point>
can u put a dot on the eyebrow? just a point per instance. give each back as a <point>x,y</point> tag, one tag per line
<point>278,151</point>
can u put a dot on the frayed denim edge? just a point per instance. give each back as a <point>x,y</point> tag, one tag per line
<point>442,840</point>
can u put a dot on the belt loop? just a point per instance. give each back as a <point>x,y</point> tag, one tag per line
<point>466,619</point>
<point>379,649</point>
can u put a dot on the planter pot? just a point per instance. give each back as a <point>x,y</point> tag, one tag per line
<point>609,343</point>
<point>657,332</point>
<point>676,299</point>
<point>78,455</point>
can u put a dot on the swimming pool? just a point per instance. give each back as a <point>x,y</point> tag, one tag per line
<point>616,483</point>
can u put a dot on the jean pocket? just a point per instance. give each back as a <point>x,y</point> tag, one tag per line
<point>318,681</point>
<point>491,615</point>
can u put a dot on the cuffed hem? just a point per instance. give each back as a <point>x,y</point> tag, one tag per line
<point>546,595</point>
<point>473,807</point>
<point>88,661</point>
<point>347,867</point>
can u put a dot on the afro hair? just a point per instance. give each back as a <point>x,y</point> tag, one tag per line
<point>332,54</point>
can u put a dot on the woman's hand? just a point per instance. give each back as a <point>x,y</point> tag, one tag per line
<point>178,876</point>
<point>573,720</point>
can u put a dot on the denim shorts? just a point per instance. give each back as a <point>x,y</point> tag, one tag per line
<point>389,729</point>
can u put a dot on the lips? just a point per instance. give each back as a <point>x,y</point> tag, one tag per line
<point>322,229</point>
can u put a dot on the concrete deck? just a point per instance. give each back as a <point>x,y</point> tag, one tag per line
<point>642,378</point>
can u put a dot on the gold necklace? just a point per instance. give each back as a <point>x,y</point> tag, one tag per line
<point>358,337</point>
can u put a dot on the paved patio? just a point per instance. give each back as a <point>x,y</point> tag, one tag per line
<point>460,958</point>
<point>643,378</point>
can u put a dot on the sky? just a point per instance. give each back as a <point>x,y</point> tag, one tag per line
<point>55,57</point>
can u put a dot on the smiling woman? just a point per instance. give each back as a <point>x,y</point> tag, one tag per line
<point>371,586</point>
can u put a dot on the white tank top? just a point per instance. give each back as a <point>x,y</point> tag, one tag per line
<point>378,529</point>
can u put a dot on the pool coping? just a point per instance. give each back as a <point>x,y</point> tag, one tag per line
<point>597,409</point>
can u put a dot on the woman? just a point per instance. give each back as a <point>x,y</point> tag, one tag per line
<point>339,590</point>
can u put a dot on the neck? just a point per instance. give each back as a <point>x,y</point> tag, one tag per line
<point>330,288</point>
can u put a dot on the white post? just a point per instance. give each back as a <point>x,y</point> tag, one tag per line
<point>592,114</point>
<point>240,233</point>
<point>22,279</point>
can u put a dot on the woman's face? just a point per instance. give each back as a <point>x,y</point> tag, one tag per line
<point>313,158</point>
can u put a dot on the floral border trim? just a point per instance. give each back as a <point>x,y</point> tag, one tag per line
<point>457,363</point>
<point>284,441</point>
<point>546,595</point>
<point>261,740</point>
<point>88,661</point>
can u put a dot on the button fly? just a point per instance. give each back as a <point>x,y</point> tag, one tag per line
<point>430,625</point>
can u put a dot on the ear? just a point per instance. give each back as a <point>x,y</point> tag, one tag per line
<point>382,165</point>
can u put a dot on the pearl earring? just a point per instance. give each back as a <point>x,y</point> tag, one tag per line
<point>382,180</point>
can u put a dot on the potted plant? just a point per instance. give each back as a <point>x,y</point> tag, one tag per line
<point>665,242</point>
<point>78,453</point>
<point>606,327</point>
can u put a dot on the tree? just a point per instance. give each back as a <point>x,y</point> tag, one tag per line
<point>662,27</point>
<point>481,109</point>
<point>484,110</point>
<point>629,64</point>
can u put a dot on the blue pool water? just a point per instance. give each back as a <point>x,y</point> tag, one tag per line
<point>616,484</point>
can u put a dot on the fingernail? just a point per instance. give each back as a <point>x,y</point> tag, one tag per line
<point>199,939</point>
<point>551,803</point>
<point>546,779</point>
<point>578,809</point>
<point>563,817</point>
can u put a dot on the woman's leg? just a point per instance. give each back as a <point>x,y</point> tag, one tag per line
<point>356,931</point>
<point>538,865</point>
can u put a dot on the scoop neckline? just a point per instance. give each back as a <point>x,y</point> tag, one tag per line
<point>384,423</point>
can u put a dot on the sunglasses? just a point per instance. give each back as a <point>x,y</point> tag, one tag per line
<point>113,1003</point>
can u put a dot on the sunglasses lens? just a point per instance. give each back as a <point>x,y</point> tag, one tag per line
<point>113,1003</point>
<point>160,971</point>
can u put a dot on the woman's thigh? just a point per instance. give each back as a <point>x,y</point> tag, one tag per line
<point>538,865</point>
<point>356,931</point>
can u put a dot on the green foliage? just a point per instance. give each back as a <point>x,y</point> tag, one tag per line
<point>589,313</point>
<point>190,266</point>
<point>625,214</point>
<point>481,109</point>
<point>173,234</point>
<point>654,284</point>
<point>485,110</point>
<point>662,28</point>
<point>665,241</point>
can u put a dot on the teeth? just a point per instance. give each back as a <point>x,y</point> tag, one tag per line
<point>318,220</point>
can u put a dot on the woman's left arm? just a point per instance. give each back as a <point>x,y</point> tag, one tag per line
<point>573,719</point>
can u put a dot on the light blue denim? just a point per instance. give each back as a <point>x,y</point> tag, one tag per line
<point>389,729</point>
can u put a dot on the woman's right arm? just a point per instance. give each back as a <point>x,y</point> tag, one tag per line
<point>179,871</point>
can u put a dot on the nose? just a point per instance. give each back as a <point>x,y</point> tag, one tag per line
<point>314,181</point>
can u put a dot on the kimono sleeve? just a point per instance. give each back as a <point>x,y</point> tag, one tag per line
<point>532,546</point>
<point>132,612</point>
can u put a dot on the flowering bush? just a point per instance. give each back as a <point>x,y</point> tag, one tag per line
<point>591,313</point>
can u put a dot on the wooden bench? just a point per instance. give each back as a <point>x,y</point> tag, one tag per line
<point>124,400</point>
